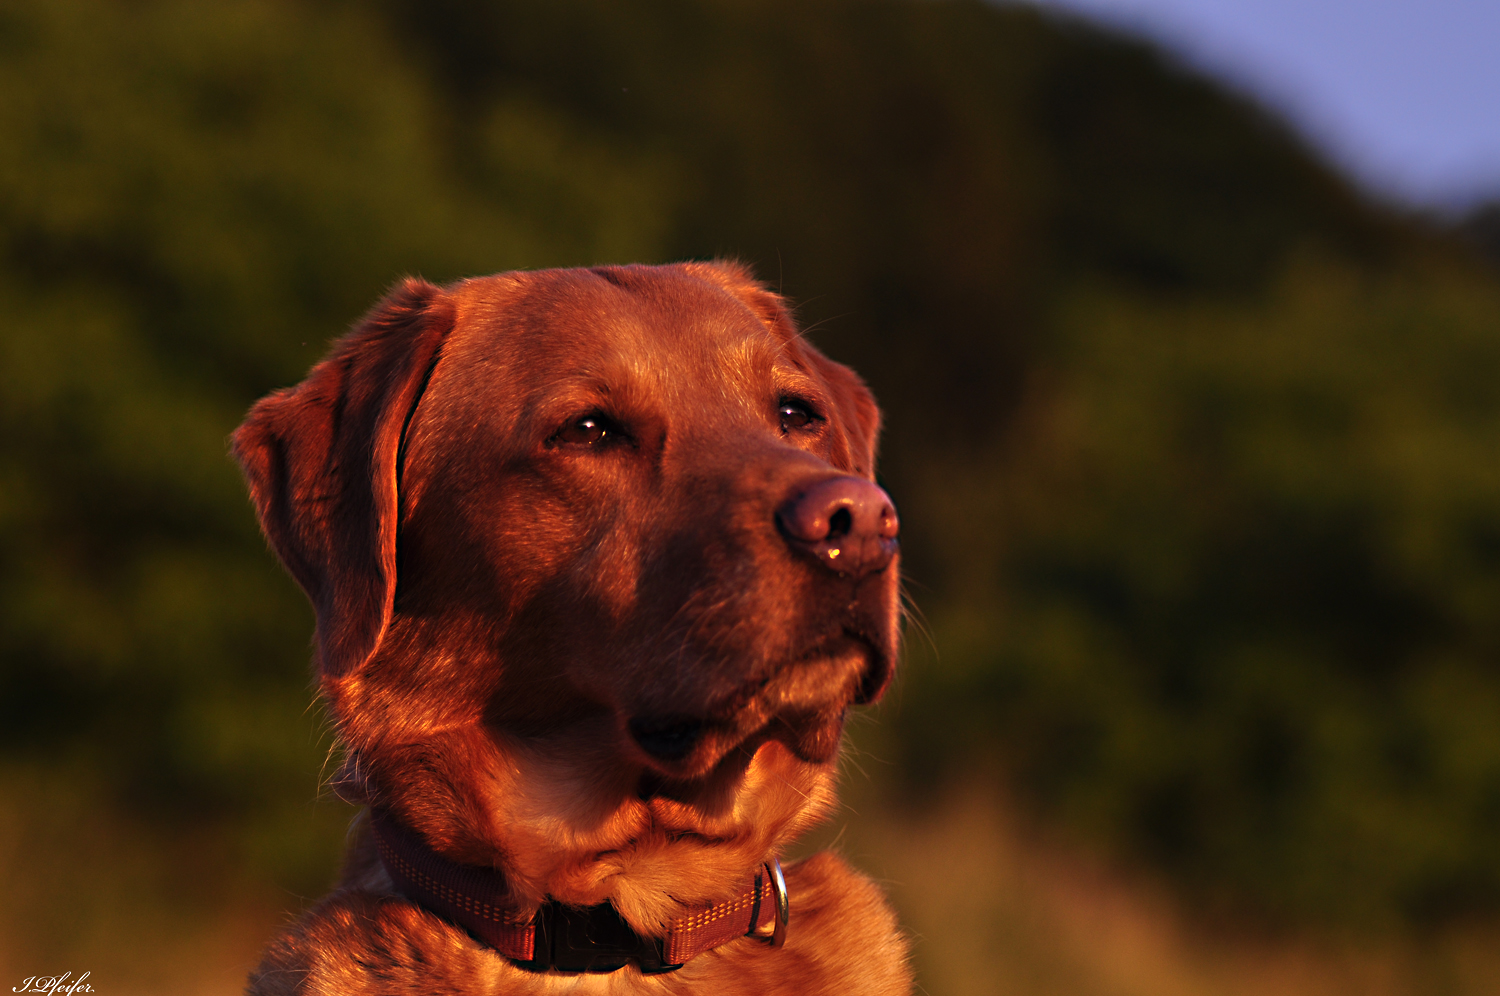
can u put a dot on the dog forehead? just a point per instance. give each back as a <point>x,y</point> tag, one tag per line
<point>660,331</point>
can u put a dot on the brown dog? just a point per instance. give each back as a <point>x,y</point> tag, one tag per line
<point>599,568</point>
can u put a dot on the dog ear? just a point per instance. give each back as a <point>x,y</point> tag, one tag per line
<point>321,461</point>
<point>857,411</point>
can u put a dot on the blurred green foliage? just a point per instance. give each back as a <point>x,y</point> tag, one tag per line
<point>1196,450</point>
<point>1249,568</point>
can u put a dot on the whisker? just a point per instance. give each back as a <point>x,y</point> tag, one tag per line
<point>913,616</point>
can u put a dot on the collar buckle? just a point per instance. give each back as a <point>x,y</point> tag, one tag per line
<point>591,939</point>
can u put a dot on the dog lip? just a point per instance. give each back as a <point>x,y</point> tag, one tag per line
<point>667,738</point>
<point>782,705</point>
<point>685,781</point>
<point>779,691</point>
<point>877,670</point>
<point>866,681</point>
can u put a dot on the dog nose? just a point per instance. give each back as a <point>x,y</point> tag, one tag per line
<point>847,524</point>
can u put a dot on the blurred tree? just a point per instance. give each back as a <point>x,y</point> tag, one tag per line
<point>1482,227</point>
<point>1241,622</point>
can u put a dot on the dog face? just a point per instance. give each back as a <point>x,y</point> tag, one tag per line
<point>598,567</point>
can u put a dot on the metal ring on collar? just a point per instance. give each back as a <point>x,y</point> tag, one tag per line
<point>783,903</point>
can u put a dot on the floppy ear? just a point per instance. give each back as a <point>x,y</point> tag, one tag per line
<point>321,461</point>
<point>857,411</point>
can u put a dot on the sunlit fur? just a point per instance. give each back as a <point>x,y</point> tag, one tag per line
<point>495,606</point>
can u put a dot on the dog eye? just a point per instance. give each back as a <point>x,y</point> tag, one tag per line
<point>796,415</point>
<point>591,430</point>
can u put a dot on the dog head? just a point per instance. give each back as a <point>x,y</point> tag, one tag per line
<point>598,565</point>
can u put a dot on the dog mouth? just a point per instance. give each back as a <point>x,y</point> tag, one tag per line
<point>667,738</point>
<point>803,704</point>
<point>708,778</point>
<point>812,736</point>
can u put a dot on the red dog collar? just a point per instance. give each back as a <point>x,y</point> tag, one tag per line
<point>570,938</point>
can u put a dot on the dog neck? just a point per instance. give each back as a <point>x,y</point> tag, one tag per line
<point>570,938</point>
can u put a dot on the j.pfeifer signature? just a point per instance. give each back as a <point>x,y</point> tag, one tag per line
<point>55,984</point>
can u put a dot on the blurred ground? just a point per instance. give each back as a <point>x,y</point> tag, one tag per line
<point>994,907</point>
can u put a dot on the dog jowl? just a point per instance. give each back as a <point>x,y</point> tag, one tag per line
<point>599,568</point>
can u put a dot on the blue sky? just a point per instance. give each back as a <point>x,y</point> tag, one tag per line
<point>1403,94</point>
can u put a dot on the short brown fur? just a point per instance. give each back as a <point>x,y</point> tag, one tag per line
<point>496,601</point>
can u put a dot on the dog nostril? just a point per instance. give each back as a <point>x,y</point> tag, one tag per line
<point>667,738</point>
<point>845,523</point>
